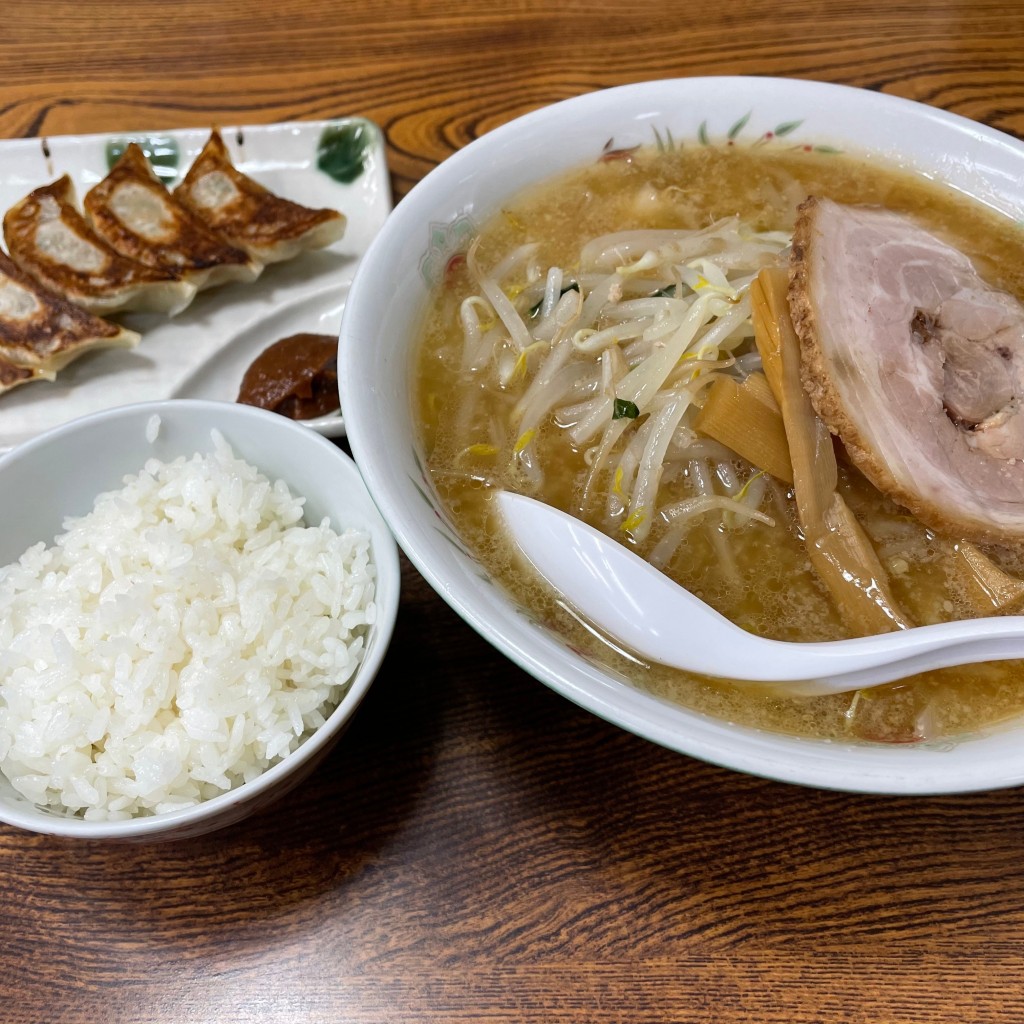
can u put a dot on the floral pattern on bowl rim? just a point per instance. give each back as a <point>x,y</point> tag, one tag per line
<point>447,241</point>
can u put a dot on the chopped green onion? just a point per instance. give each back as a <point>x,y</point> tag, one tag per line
<point>624,409</point>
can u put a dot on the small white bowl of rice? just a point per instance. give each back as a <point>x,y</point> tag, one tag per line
<point>194,599</point>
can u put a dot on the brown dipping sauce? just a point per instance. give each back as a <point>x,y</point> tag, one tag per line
<point>296,377</point>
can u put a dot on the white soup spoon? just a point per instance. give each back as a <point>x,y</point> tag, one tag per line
<point>641,608</point>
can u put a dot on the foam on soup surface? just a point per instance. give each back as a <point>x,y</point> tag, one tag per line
<point>471,414</point>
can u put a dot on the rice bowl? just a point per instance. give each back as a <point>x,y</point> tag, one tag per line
<point>190,648</point>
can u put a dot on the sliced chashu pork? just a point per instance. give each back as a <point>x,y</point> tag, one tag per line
<point>49,239</point>
<point>916,364</point>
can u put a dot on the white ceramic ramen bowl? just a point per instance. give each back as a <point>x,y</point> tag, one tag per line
<point>61,472</point>
<point>382,323</point>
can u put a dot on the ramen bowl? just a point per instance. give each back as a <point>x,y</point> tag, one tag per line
<point>382,324</point>
<point>60,474</point>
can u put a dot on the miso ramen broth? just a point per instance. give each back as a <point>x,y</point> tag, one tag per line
<point>753,570</point>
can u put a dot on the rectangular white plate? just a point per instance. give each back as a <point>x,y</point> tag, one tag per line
<point>204,351</point>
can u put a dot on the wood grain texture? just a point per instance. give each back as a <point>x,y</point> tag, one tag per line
<point>477,848</point>
<point>435,76</point>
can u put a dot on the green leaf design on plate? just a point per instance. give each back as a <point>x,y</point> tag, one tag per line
<point>739,125</point>
<point>702,133</point>
<point>788,126</point>
<point>344,149</point>
<point>826,149</point>
<point>161,151</point>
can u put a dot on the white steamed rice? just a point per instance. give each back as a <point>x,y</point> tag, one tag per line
<point>177,641</point>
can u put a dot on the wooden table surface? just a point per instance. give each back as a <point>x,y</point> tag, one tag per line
<point>477,848</point>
